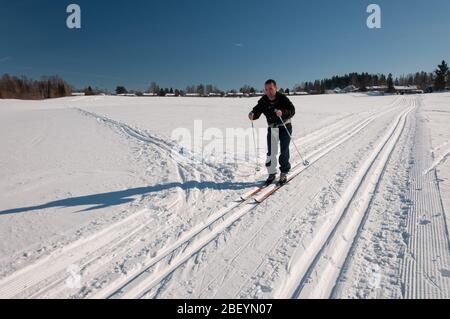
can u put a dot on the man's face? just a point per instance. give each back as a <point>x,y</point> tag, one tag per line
<point>271,90</point>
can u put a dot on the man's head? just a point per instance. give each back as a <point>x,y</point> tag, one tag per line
<point>271,88</point>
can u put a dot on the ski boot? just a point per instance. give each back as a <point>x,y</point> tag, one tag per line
<point>270,179</point>
<point>283,179</point>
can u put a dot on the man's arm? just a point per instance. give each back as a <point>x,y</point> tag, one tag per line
<point>257,110</point>
<point>289,109</point>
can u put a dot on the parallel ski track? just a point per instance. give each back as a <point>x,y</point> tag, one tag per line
<point>139,283</point>
<point>329,248</point>
<point>40,272</point>
<point>425,265</point>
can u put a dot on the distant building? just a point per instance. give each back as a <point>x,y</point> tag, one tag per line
<point>350,89</point>
<point>298,93</point>
<point>127,94</point>
<point>377,88</point>
<point>410,89</point>
<point>149,94</point>
<point>78,94</point>
<point>170,95</point>
<point>192,94</point>
<point>337,90</point>
<point>235,94</point>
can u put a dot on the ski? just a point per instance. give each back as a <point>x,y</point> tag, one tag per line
<point>276,187</point>
<point>262,198</point>
<point>254,192</point>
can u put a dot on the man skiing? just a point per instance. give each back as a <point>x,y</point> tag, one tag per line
<point>278,109</point>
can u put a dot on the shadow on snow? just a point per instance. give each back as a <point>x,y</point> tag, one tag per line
<point>98,201</point>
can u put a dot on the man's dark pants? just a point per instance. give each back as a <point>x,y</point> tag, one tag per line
<point>278,137</point>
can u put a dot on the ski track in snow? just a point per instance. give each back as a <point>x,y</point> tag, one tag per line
<point>144,282</point>
<point>133,288</point>
<point>427,260</point>
<point>322,273</point>
<point>52,270</point>
<point>193,242</point>
<point>91,250</point>
<point>299,261</point>
<point>372,267</point>
<point>441,160</point>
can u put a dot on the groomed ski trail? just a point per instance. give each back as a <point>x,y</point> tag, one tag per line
<point>137,284</point>
<point>331,243</point>
<point>96,248</point>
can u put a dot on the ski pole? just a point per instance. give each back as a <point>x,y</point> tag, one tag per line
<point>305,162</point>
<point>258,168</point>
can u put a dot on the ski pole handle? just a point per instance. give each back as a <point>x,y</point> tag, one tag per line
<point>278,113</point>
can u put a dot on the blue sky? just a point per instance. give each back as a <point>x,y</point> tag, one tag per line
<point>226,43</point>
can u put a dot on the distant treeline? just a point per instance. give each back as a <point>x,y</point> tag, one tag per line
<point>200,89</point>
<point>438,80</point>
<point>12,87</point>
<point>363,81</point>
<point>426,81</point>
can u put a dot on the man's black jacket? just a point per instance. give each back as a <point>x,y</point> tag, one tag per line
<point>267,107</point>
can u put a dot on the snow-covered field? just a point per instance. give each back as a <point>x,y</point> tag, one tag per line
<point>98,200</point>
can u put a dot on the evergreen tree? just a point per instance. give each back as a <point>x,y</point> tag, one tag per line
<point>154,88</point>
<point>200,89</point>
<point>89,91</point>
<point>121,90</point>
<point>442,76</point>
<point>390,84</point>
<point>383,80</point>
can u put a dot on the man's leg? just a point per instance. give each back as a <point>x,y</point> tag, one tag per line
<point>272,146</point>
<point>285,141</point>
